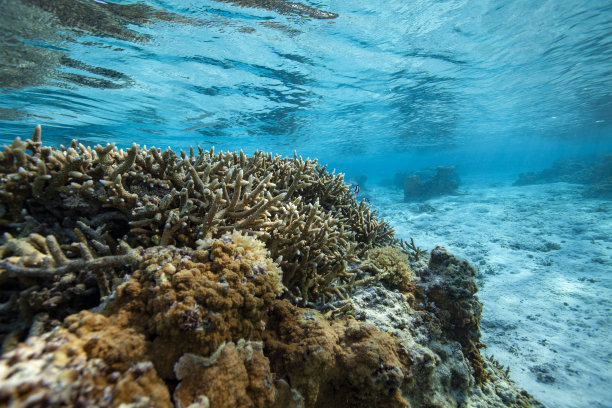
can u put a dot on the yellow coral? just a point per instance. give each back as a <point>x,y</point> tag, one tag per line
<point>252,252</point>
<point>392,262</point>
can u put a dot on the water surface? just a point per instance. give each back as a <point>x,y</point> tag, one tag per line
<point>516,83</point>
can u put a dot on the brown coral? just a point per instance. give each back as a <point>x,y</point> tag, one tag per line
<point>188,301</point>
<point>58,370</point>
<point>343,363</point>
<point>237,375</point>
<point>118,347</point>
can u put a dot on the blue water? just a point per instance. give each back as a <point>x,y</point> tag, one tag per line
<point>490,86</point>
<point>495,88</point>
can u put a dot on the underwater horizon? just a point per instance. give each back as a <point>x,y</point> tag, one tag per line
<point>387,86</point>
<point>508,102</point>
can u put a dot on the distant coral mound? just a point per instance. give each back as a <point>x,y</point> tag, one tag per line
<point>595,175</point>
<point>425,185</point>
<point>147,278</point>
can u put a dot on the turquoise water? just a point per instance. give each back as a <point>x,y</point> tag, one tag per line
<point>490,86</point>
<point>495,88</point>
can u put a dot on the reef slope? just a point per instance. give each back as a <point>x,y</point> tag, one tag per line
<point>152,278</point>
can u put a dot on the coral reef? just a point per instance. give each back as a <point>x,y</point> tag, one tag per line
<point>193,301</point>
<point>423,185</point>
<point>595,175</point>
<point>350,363</point>
<point>147,278</point>
<point>178,304</point>
<point>76,206</point>
<point>58,369</point>
<point>569,171</point>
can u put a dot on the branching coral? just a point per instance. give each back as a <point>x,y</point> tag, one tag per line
<point>411,249</point>
<point>306,217</point>
<point>45,278</point>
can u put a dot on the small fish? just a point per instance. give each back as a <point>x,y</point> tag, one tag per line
<point>202,116</point>
<point>356,189</point>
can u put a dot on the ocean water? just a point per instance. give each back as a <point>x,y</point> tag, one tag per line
<point>373,89</point>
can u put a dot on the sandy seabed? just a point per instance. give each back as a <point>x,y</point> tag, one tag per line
<point>544,260</point>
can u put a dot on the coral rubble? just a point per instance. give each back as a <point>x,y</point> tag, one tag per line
<point>147,278</point>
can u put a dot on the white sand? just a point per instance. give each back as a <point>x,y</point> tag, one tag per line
<point>544,256</point>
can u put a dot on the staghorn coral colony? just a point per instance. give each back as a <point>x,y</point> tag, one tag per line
<point>149,278</point>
